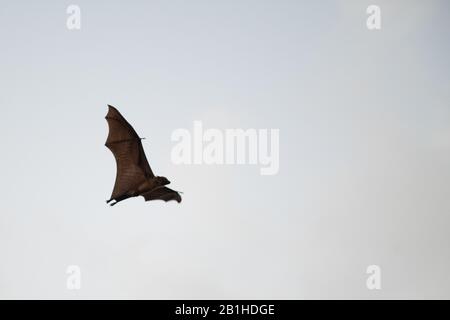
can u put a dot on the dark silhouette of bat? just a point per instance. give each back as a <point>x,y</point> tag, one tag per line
<point>134,176</point>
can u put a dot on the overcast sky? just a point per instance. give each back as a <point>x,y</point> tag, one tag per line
<point>364,177</point>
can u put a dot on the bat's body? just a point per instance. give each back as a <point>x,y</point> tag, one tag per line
<point>134,176</point>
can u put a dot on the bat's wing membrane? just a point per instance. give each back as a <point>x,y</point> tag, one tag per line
<point>132,165</point>
<point>162,193</point>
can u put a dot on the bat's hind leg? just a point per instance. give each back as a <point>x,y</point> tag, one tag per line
<point>111,203</point>
<point>117,200</point>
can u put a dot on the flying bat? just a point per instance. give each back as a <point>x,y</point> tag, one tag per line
<point>134,177</point>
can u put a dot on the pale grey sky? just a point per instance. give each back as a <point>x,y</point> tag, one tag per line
<point>364,121</point>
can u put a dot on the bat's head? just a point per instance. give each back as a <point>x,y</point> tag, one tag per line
<point>162,181</point>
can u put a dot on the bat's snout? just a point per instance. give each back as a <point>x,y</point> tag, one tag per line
<point>163,181</point>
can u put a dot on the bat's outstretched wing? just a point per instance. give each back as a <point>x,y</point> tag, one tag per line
<point>162,193</point>
<point>132,165</point>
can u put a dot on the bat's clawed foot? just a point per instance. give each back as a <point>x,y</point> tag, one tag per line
<point>113,203</point>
